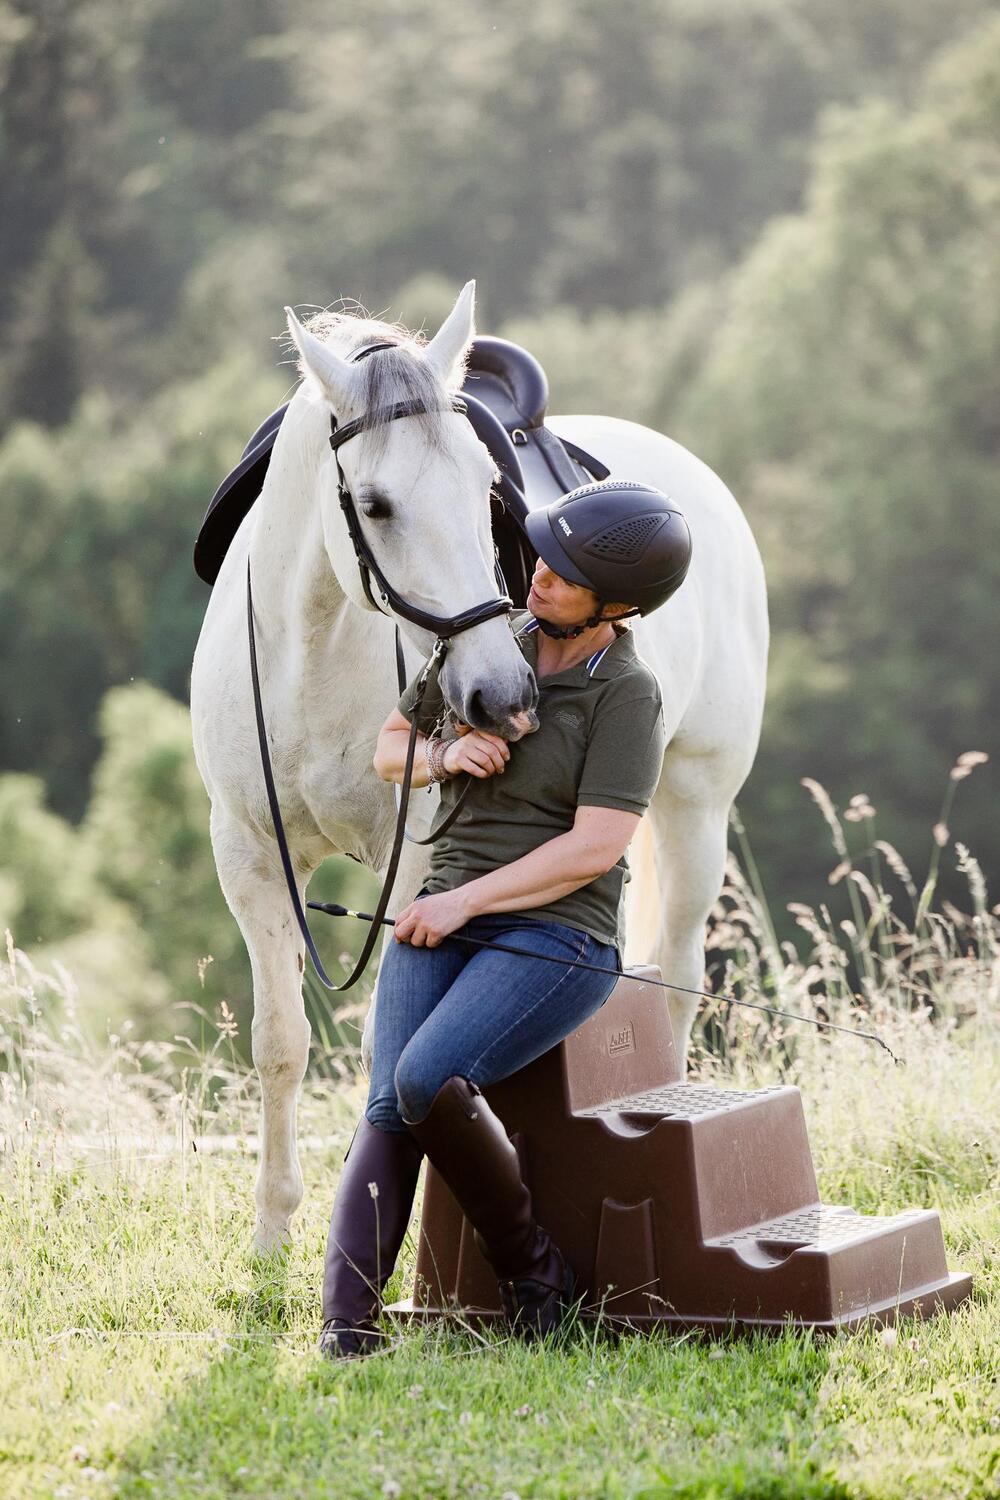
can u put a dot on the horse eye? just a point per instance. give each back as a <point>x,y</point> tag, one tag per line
<point>375,507</point>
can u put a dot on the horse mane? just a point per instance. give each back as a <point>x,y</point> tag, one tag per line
<point>393,375</point>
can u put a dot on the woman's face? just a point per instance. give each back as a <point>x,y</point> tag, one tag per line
<point>558,600</point>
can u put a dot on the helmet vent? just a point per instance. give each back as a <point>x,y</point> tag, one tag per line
<point>625,541</point>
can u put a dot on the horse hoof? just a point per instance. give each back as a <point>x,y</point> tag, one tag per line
<point>271,1239</point>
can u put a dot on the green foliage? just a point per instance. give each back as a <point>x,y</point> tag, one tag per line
<point>47,879</point>
<point>96,582</point>
<point>147,828</point>
<point>571,152</point>
<point>765,229</point>
<point>850,398</point>
<point>130,902</point>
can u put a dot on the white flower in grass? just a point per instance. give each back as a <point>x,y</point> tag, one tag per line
<point>392,1488</point>
<point>966,764</point>
<point>889,1337</point>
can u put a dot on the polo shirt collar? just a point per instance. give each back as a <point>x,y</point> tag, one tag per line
<point>607,662</point>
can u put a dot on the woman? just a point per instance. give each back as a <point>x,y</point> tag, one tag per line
<point>537,860</point>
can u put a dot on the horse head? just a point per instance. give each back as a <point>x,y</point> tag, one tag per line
<point>420,486</point>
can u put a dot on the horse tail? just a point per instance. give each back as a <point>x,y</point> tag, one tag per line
<point>643,916</point>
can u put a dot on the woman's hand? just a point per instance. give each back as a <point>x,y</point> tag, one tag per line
<point>476,751</point>
<point>427,922</point>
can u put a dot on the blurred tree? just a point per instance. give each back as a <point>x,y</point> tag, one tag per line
<point>96,582</point>
<point>147,832</point>
<point>170,176</point>
<point>601,156</point>
<point>566,153</point>
<point>850,397</point>
<point>47,886</point>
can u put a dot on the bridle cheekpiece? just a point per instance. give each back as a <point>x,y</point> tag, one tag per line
<point>443,627</point>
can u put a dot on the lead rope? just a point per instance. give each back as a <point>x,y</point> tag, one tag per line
<point>378,916</point>
<point>333,910</point>
<point>449,818</point>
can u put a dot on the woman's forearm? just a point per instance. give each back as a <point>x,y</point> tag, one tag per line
<point>390,757</point>
<point>554,869</point>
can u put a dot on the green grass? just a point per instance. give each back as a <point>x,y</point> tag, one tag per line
<point>147,1352</point>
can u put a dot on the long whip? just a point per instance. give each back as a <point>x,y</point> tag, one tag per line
<point>331,909</point>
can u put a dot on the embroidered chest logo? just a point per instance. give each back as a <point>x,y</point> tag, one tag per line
<point>569,718</point>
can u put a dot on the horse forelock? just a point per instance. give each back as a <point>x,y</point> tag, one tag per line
<point>388,377</point>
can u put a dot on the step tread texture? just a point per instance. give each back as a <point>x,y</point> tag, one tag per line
<point>821,1225</point>
<point>685,1100</point>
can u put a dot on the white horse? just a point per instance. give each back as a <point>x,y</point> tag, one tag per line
<point>327,672</point>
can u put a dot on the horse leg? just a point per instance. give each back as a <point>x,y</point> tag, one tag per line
<point>689,841</point>
<point>254,887</point>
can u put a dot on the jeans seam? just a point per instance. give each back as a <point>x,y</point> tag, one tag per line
<point>514,1024</point>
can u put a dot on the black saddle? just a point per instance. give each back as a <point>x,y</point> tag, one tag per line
<point>507,396</point>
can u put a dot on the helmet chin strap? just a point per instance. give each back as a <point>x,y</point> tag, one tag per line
<point>567,632</point>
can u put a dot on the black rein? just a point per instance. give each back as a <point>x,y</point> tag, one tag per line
<point>442,627</point>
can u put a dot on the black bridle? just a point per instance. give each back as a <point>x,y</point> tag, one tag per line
<point>442,627</point>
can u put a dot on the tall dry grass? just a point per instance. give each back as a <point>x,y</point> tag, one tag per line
<point>922,975</point>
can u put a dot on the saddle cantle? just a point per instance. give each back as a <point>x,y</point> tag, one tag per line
<point>507,395</point>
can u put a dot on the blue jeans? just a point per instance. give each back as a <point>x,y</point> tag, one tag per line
<point>459,1010</point>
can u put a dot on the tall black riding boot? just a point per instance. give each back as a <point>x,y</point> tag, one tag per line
<point>366,1231</point>
<point>470,1148</point>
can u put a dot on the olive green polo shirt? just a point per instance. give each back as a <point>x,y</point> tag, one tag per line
<point>599,743</point>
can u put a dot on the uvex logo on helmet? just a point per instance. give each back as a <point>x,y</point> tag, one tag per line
<point>628,542</point>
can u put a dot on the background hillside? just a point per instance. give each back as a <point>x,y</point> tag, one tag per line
<point>768,228</point>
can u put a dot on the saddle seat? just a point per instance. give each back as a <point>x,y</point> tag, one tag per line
<point>507,395</point>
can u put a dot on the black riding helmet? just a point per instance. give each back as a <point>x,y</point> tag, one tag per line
<point>626,542</point>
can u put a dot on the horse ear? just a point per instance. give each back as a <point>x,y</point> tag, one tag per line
<point>332,375</point>
<point>449,348</point>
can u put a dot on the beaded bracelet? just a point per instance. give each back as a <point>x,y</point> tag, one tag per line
<point>435,750</point>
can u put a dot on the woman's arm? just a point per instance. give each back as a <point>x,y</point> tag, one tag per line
<point>597,840</point>
<point>475,751</point>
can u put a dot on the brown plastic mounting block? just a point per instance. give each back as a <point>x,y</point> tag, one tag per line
<point>678,1203</point>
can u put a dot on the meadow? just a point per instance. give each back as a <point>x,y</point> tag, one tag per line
<point>149,1352</point>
